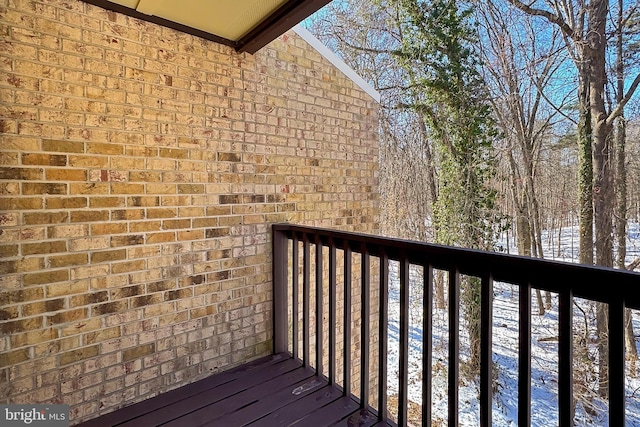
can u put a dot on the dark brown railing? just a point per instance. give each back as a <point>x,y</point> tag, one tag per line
<point>619,289</point>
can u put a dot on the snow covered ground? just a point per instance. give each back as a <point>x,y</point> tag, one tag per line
<point>544,376</point>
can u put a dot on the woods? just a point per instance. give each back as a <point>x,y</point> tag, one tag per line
<point>505,118</point>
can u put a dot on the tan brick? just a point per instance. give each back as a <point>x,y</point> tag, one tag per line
<point>126,188</point>
<point>138,352</point>
<point>191,235</point>
<point>9,188</point>
<point>21,325</point>
<point>190,188</point>
<point>61,231</point>
<point>66,174</point>
<point>61,146</point>
<point>33,337</point>
<point>69,260</point>
<point>90,271</point>
<point>102,335</point>
<point>126,267</point>
<point>73,329</point>
<point>153,238</point>
<point>108,228</point>
<point>174,153</point>
<point>92,188</point>
<point>107,202</point>
<point>174,224</point>
<point>89,216</point>
<point>89,244</point>
<point>78,355</point>
<point>88,161</point>
<point>21,296</point>
<point>43,307</point>
<point>87,299</point>
<point>205,222</point>
<point>7,251</point>
<point>110,255</point>
<point>44,159</point>
<point>66,288</point>
<point>32,218</point>
<point>9,313</point>
<point>22,174</point>
<point>13,357</point>
<point>129,240</point>
<point>8,219</point>
<point>67,316</point>
<point>127,214</point>
<point>44,247</point>
<point>66,202</point>
<point>161,213</point>
<point>143,201</point>
<point>29,188</point>
<point>129,291</point>
<point>104,148</point>
<point>109,307</point>
<point>145,300</point>
<point>46,277</point>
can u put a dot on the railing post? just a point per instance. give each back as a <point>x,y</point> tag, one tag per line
<point>565,358</point>
<point>616,363</point>
<point>486,350</point>
<point>427,343</point>
<point>346,381</point>
<point>403,389</point>
<point>383,324</point>
<point>332,312</point>
<point>524,357</point>
<point>365,289</point>
<point>306,294</point>
<point>454,344</point>
<point>319,307</point>
<point>280,321</point>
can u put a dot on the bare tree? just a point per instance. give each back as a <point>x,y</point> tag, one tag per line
<point>584,27</point>
<point>519,70</point>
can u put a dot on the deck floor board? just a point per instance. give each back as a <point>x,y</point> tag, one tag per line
<point>275,390</point>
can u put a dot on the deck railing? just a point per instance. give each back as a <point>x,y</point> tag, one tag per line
<point>619,289</point>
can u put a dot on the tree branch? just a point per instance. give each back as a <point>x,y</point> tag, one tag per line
<point>551,17</point>
<point>635,264</point>
<point>620,107</point>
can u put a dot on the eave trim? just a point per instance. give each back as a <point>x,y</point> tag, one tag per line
<point>286,17</point>
<point>336,61</point>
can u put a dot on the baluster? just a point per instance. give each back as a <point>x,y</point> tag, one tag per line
<point>319,307</point>
<point>332,312</point>
<point>524,357</point>
<point>427,343</point>
<point>486,349</point>
<point>565,358</point>
<point>383,325</point>
<point>404,341</point>
<point>347,319</point>
<point>454,344</point>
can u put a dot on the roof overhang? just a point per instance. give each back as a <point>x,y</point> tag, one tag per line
<point>245,25</point>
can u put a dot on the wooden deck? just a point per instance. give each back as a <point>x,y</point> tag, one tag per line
<point>273,391</point>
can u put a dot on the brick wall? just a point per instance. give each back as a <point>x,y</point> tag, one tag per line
<point>140,169</point>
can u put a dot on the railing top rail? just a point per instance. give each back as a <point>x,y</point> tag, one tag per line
<point>584,281</point>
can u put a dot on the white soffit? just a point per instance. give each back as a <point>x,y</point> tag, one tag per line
<point>229,19</point>
<point>336,61</point>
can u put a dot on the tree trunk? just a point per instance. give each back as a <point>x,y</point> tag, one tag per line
<point>585,174</point>
<point>602,194</point>
<point>621,185</point>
